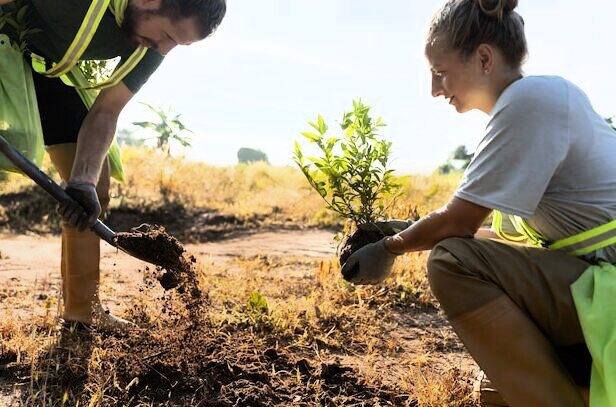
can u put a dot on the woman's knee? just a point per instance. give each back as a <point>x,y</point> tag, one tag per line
<point>455,277</point>
<point>444,264</point>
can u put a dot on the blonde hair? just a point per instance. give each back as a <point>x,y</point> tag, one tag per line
<point>462,25</point>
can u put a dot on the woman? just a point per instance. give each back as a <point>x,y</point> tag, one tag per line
<point>547,157</point>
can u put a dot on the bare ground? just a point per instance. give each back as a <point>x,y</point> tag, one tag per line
<point>417,337</point>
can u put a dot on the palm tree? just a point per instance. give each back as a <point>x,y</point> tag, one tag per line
<point>168,127</point>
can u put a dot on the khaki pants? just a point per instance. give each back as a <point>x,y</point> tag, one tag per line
<point>80,250</point>
<point>513,309</point>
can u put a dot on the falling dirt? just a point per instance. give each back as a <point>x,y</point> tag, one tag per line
<point>154,245</point>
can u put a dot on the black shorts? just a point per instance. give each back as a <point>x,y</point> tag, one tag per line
<point>61,109</point>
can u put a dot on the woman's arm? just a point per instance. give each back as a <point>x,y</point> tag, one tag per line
<point>6,2</point>
<point>486,233</point>
<point>459,218</point>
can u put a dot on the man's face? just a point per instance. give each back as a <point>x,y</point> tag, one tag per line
<point>149,28</point>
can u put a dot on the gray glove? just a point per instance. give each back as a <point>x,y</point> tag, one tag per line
<point>387,228</point>
<point>85,208</point>
<point>369,265</point>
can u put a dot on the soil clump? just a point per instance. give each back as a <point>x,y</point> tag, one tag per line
<point>154,245</point>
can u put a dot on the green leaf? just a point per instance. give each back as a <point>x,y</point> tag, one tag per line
<point>322,125</point>
<point>311,136</point>
<point>298,151</point>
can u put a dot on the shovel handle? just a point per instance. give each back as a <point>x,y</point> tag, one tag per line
<point>49,185</point>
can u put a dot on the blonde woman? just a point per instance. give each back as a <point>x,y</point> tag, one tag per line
<point>547,159</point>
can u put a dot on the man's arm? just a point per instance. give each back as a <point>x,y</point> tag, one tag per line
<point>459,218</point>
<point>96,133</point>
<point>6,2</point>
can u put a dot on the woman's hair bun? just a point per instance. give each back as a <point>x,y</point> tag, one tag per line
<point>497,8</point>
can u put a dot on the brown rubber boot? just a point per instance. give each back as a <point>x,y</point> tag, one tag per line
<point>80,262</point>
<point>81,257</point>
<point>486,394</point>
<point>517,357</point>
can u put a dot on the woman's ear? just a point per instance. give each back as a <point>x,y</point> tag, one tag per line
<point>486,56</point>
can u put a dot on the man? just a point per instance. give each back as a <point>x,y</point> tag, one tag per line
<point>77,139</point>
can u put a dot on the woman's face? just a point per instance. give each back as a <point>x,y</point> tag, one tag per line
<point>460,80</point>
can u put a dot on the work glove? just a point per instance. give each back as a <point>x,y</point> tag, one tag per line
<point>386,228</point>
<point>83,211</point>
<point>369,265</point>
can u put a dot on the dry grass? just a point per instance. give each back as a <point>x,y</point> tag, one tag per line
<point>242,190</point>
<point>296,309</point>
<point>272,331</point>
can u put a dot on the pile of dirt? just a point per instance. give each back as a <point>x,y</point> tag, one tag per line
<point>189,364</point>
<point>191,225</point>
<point>33,210</point>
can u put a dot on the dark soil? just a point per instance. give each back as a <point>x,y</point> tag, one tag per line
<point>154,245</point>
<point>33,210</point>
<point>355,241</point>
<point>188,363</point>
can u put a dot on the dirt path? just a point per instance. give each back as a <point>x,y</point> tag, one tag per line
<point>30,258</point>
<point>29,264</point>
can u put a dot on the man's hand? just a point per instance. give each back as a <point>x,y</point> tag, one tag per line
<point>85,208</point>
<point>369,265</point>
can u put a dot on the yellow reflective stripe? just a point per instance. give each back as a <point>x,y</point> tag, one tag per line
<point>497,225</point>
<point>38,63</point>
<point>592,248</point>
<point>118,7</point>
<point>580,237</point>
<point>523,228</point>
<point>95,13</point>
<point>122,70</point>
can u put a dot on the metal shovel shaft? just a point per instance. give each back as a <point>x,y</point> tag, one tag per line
<point>50,186</point>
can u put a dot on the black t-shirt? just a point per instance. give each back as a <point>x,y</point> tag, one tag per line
<point>60,20</point>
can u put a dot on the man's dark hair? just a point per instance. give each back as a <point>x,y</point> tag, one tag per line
<point>209,13</point>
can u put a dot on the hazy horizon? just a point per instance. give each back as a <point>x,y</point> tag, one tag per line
<point>274,65</point>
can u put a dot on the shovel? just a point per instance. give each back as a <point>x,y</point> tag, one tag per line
<point>61,196</point>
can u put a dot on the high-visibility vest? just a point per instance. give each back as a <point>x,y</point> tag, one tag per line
<point>577,245</point>
<point>80,43</point>
<point>594,293</point>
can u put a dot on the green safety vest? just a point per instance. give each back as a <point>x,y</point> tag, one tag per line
<point>80,43</point>
<point>71,75</point>
<point>593,294</point>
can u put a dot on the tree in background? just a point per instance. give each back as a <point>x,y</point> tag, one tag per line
<point>247,155</point>
<point>168,127</point>
<point>127,137</point>
<point>612,122</point>
<point>458,161</point>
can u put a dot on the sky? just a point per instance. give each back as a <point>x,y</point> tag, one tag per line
<point>273,65</point>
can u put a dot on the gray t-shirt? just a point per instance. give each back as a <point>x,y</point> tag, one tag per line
<point>548,157</point>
